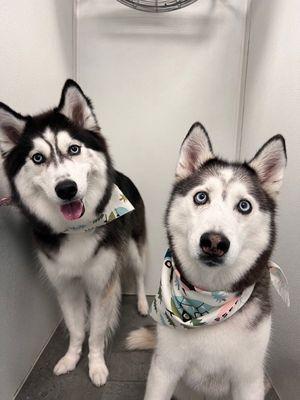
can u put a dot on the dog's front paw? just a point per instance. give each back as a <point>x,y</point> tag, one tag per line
<point>66,364</point>
<point>143,307</point>
<point>98,372</point>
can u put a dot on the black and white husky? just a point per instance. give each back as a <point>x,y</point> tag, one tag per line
<point>221,231</point>
<point>60,173</point>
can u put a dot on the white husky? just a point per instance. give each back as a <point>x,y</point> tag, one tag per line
<point>221,230</point>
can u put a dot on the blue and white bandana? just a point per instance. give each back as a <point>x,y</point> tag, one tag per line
<point>179,304</point>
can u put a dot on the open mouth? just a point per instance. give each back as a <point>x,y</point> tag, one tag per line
<point>73,210</point>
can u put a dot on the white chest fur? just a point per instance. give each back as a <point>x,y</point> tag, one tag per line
<point>210,358</point>
<point>76,258</point>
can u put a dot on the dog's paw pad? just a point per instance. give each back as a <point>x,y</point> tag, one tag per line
<point>65,365</point>
<point>98,373</point>
<point>143,307</point>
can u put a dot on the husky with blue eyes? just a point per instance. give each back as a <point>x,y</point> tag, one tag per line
<point>213,308</point>
<point>88,219</point>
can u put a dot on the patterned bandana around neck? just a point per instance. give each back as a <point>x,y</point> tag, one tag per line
<point>117,206</point>
<point>179,304</point>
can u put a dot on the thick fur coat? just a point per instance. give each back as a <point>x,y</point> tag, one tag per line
<point>220,223</point>
<point>61,175</point>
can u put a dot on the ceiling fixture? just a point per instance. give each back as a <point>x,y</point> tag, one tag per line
<point>157,6</point>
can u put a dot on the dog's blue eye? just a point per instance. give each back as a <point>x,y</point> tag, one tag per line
<point>74,150</point>
<point>38,158</point>
<point>200,198</point>
<point>244,207</point>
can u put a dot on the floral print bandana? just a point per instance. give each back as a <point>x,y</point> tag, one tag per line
<point>179,304</point>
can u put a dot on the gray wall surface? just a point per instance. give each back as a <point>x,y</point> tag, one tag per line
<point>272,105</point>
<point>36,57</point>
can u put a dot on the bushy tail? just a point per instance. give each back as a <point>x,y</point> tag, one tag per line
<point>142,339</point>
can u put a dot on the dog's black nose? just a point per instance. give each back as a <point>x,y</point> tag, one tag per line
<point>66,190</point>
<point>214,244</point>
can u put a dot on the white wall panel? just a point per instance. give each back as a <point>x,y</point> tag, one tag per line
<point>150,77</point>
<point>272,106</point>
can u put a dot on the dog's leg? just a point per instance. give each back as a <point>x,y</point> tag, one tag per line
<point>249,386</point>
<point>248,377</point>
<point>103,317</point>
<point>137,262</point>
<point>72,301</point>
<point>162,379</point>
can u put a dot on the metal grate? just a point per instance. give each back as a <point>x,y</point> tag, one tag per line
<point>157,6</point>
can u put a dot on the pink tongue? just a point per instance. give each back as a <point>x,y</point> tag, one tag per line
<point>72,210</point>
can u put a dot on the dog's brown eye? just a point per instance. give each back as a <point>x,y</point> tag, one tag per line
<point>200,198</point>
<point>38,158</point>
<point>244,207</point>
<point>74,150</point>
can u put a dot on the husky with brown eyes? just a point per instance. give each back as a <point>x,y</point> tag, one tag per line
<point>220,223</point>
<point>62,178</point>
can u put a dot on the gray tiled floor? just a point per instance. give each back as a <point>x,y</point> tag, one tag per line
<point>128,370</point>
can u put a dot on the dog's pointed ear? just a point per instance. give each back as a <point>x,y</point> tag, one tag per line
<point>12,126</point>
<point>195,150</point>
<point>77,107</point>
<point>269,163</point>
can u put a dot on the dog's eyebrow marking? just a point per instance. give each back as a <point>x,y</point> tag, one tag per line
<point>58,152</point>
<point>62,142</point>
<point>52,152</point>
<point>226,175</point>
<point>226,179</point>
<point>225,184</point>
<point>224,194</point>
<point>49,138</point>
<point>41,145</point>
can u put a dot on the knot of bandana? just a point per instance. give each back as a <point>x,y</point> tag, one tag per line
<point>179,304</point>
